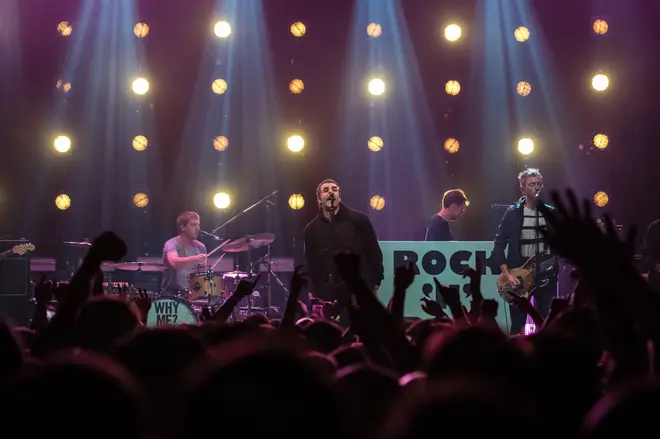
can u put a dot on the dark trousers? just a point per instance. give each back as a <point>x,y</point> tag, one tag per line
<point>546,290</point>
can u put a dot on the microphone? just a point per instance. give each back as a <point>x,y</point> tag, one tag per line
<point>210,235</point>
<point>331,197</point>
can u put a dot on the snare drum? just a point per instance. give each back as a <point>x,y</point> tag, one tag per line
<point>167,312</point>
<point>204,283</point>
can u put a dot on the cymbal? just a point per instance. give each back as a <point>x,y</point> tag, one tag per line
<point>235,275</point>
<point>77,244</point>
<point>140,266</point>
<point>249,242</point>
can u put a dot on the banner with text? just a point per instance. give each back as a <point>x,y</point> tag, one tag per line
<point>446,261</point>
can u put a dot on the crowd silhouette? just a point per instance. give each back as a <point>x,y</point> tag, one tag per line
<point>94,370</point>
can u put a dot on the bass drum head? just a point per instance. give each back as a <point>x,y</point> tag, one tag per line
<point>170,312</point>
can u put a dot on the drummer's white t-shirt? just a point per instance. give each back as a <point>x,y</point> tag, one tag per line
<point>174,280</point>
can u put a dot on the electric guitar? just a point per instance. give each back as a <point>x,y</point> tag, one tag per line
<point>526,276</point>
<point>19,249</point>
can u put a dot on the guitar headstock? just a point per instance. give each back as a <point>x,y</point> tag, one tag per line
<point>21,249</point>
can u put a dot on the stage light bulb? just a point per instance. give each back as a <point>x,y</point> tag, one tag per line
<point>222,29</point>
<point>521,34</point>
<point>601,199</point>
<point>295,143</point>
<point>141,30</point>
<point>62,144</point>
<point>601,27</point>
<point>298,29</point>
<point>63,201</point>
<point>377,202</point>
<point>375,143</point>
<point>296,201</point>
<point>140,86</point>
<point>601,141</point>
<point>64,28</point>
<point>140,143</point>
<point>140,200</point>
<point>219,86</point>
<point>221,200</point>
<point>453,32</point>
<point>374,30</point>
<point>452,145</point>
<point>524,88</point>
<point>453,88</point>
<point>220,143</point>
<point>296,86</point>
<point>600,82</point>
<point>525,146</point>
<point>376,86</point>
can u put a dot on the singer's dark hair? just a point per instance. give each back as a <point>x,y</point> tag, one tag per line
<point>454,196</point>
<point>327,180</point>
<point>184,218</point>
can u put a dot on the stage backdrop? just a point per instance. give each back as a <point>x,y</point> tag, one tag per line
<point>446,261</point>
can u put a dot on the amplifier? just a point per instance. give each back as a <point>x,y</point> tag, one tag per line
<point>14,270</point>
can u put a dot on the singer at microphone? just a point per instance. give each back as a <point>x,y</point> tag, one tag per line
<point>339,229</point>
<point>519,230</point>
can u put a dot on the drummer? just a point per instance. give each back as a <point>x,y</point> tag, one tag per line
<point>182,255</point>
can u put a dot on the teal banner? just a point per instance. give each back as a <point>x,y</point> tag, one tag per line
<point>445,261</point>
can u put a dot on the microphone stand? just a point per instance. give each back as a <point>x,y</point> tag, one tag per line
<point>243,212</point>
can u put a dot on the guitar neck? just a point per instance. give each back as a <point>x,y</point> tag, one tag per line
<point>6,253</point>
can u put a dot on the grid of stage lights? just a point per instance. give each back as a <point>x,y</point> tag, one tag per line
<point>376,87</point>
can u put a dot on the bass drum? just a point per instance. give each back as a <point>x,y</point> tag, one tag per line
<point>170,312</point>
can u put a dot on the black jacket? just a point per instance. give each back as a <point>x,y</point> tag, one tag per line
<point>350,231</point>
<point>508,234</point>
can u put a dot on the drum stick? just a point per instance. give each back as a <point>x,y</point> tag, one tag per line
<point>216,262</point>
<point>218,248</point>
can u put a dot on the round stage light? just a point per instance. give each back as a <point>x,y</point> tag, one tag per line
<point>453,88</point>
<point>140,143</point>
<point>219,86</point>
<point>453,32</point>
<point>140,86</point>
<point>222,29</point>
<point>601,141</point>
<point>376,86</point>
<point>140,200</point>
<point>64,28</point>
<point>374,30</point>
<point>296,86</point>
<point>601,27</point>
<point>221,200</point>
<point>63,201</point>
<point>521,34</point>
<point>524,88</point>
<point>141,30</point>
<point>600,82</point>
<point>298,29</point>
<point>375,143</point>
<point>296,201</point>
<point>220,143</point>
<point>377,202</point>
<point>62,144</point>
<point>64,87</point>
<point>295,143</point>
<point>601,199</point>
<point>525,146</point>
<point>452,145</point>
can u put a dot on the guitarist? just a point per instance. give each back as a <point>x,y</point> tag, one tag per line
<point>519,231</point>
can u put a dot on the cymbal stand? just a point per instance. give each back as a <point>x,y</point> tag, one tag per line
<point>269,266</point>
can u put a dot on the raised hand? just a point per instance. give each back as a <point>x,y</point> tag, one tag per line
<point>298,281</point>
<point>404,276</point>
<point>108,247</point>
<point>432,308</point>
<point>245,287</point>
<point>143,301</point>
<point>43,292</point>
